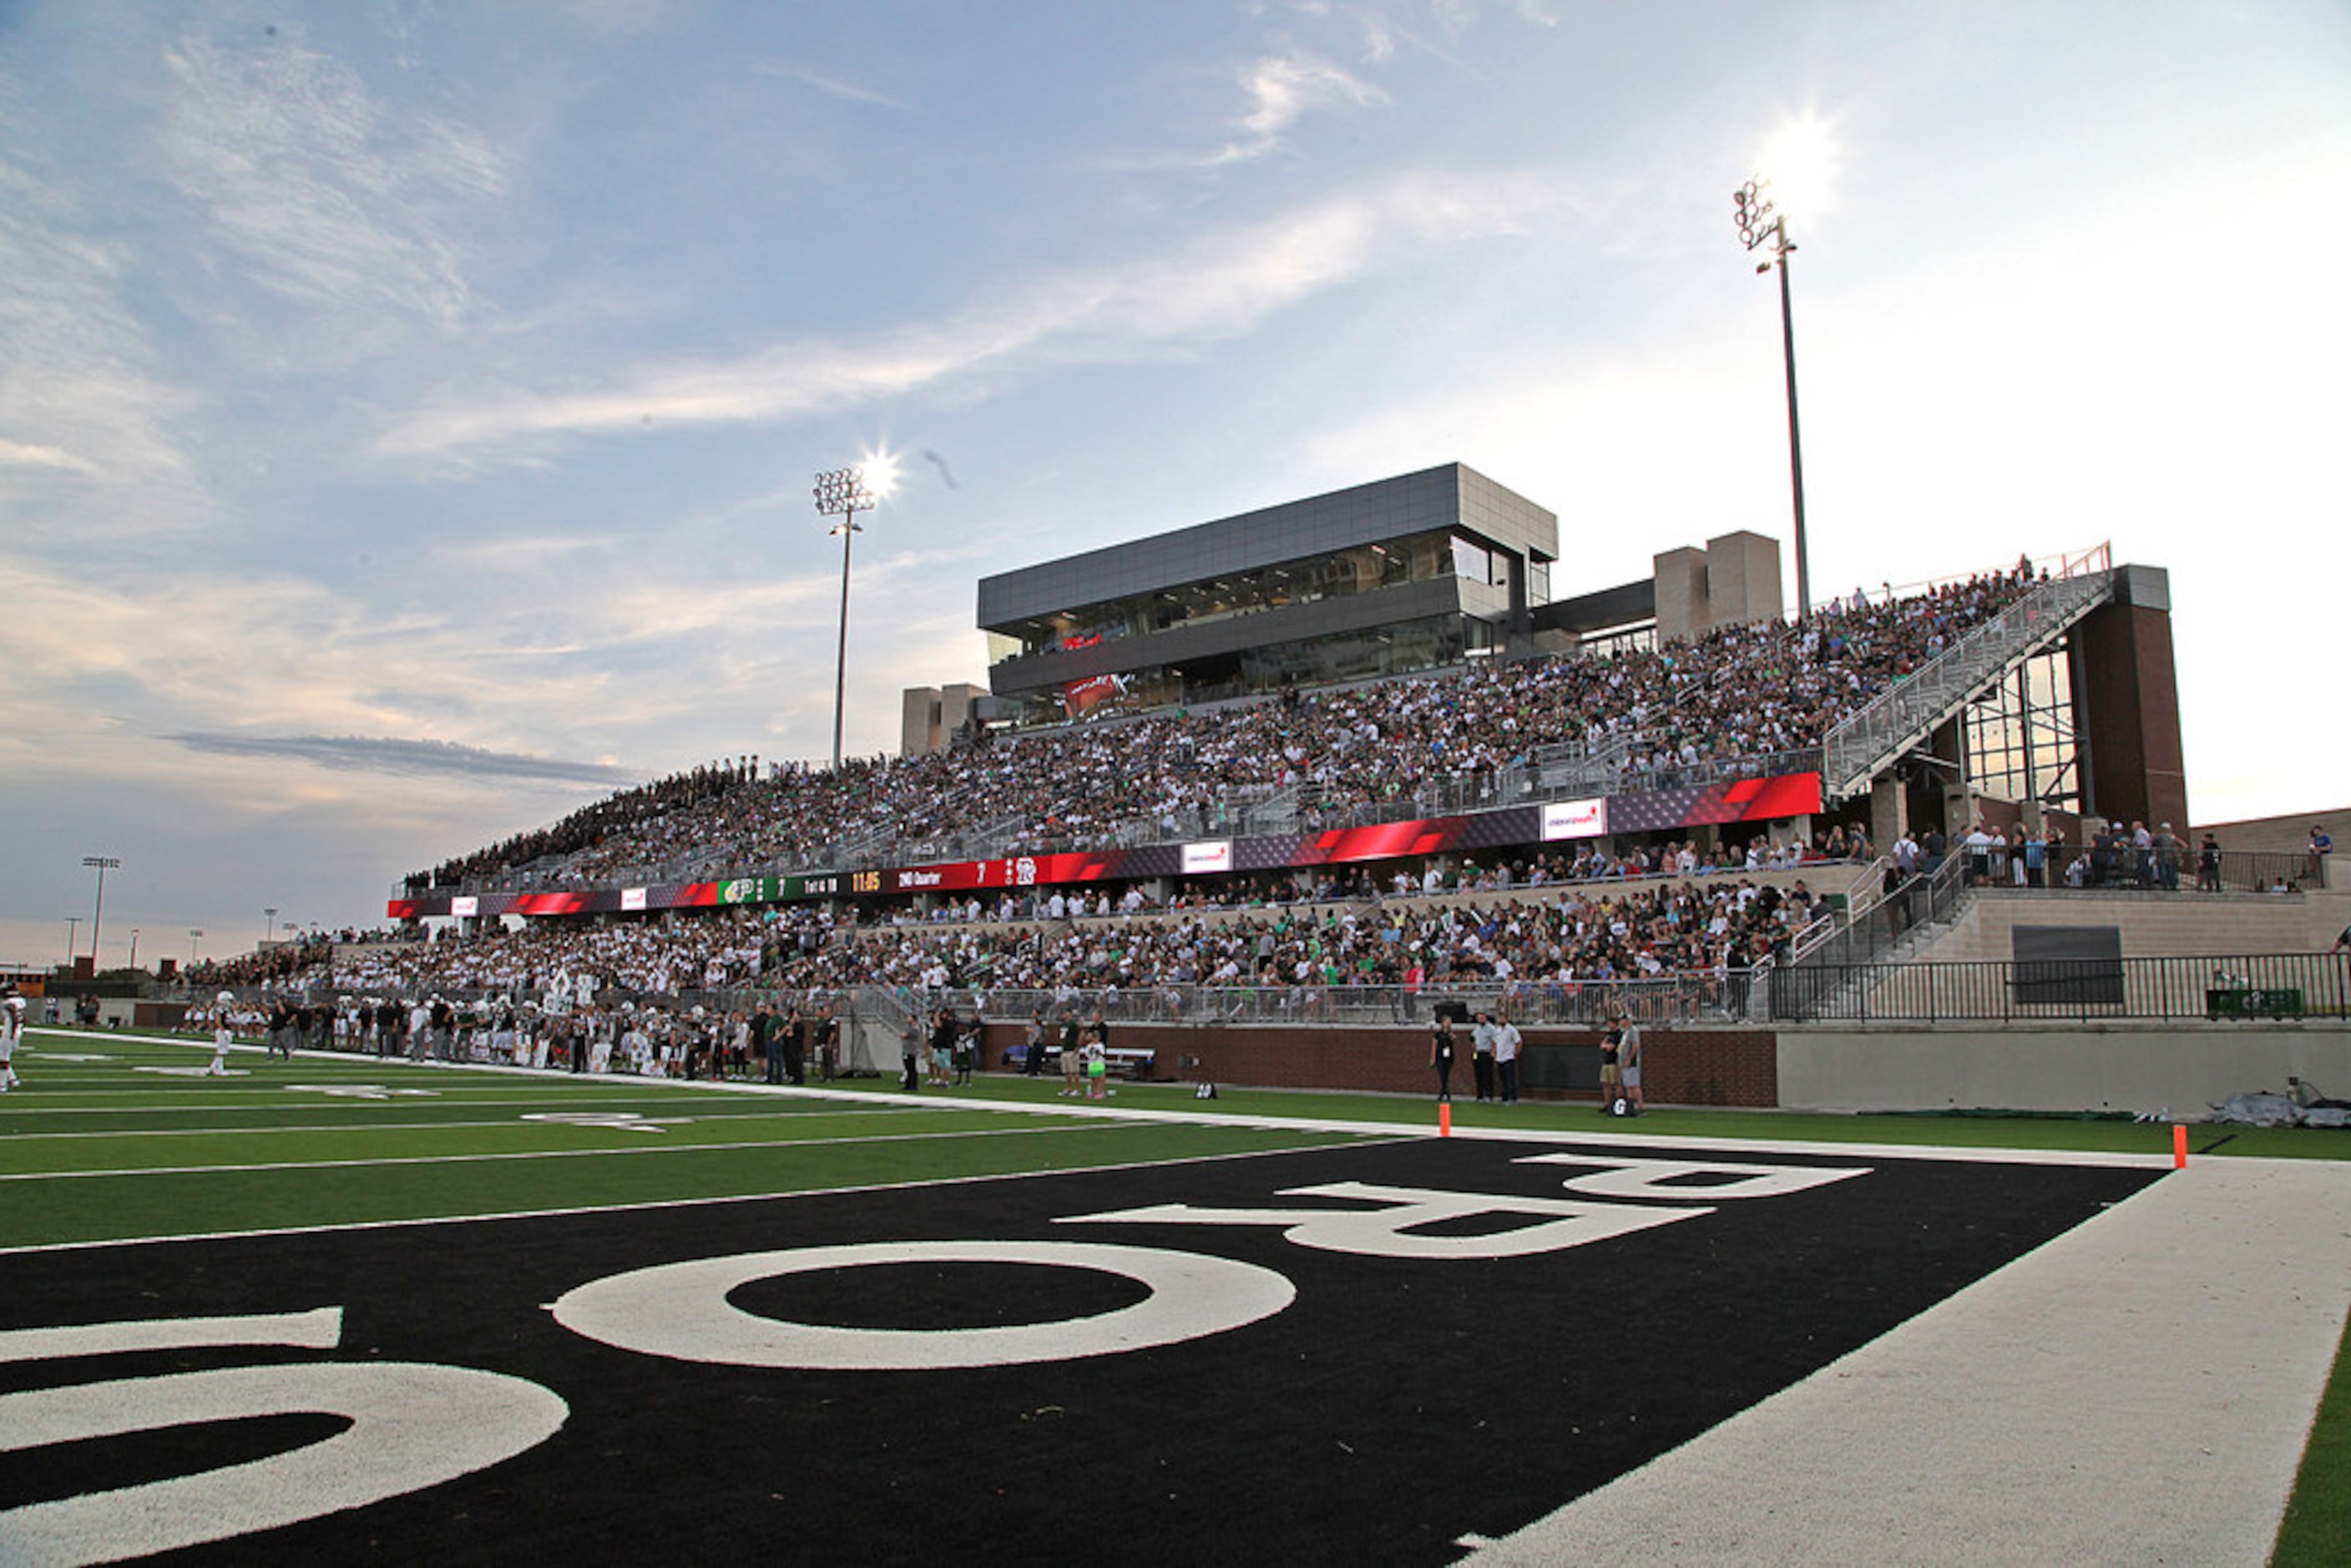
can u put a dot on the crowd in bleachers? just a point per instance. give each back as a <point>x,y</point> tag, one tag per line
<point>1737,692</point>
<point>1492,931</point>
<point>1746,692</point>
<point>626,816</point>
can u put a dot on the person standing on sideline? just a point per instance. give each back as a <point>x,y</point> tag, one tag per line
<point>1507,1042</point>
<point>1628,1057</point>
<point>796,1032</point>
<point>12,1029</point>
<point>825,1038</point>
<point>223,1032</point>
<point>1071,1045</point>
<point>1441,1048</point>
<point>943,1039</point>
<point>1612,1069</point>
<point>1481,1055</point>
<point>910,1050</point>
<point>767,1042</point>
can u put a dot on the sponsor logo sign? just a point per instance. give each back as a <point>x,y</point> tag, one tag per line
<point>1575,820</point>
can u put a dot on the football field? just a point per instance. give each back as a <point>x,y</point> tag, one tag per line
<point>346,1306</point>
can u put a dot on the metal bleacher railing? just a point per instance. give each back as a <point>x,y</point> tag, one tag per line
<point>1880,730</point>
<point>2229,986</point>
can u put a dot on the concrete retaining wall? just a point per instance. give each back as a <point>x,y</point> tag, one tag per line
<point>2087,1067</point>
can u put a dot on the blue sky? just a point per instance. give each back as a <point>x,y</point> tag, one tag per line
<point>408,411</point>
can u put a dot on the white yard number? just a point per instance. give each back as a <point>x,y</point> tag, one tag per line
<point>412,1426</point>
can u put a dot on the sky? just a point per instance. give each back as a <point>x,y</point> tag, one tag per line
<point>409,410</point>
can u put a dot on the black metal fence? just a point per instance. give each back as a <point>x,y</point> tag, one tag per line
<point>2252,985</point>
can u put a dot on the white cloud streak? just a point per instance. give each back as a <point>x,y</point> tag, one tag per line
<point>1282,88</point>
<point>1218,287</point>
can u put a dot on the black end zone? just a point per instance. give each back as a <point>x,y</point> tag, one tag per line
<point>1395,1404</point>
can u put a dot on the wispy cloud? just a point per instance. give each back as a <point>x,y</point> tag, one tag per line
<point>831,85</point>
<point>438,758</point>
<point>1282,88</point>
<point>17,454</point>
<point>92,429</point>
<point>324,195</point>
<point>1217,286</point>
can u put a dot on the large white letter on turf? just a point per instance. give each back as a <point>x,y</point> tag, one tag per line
<point>680,1310</point>
<point>413,1426</point>
<point>1683,1180</point>
<point>1392,1231</point>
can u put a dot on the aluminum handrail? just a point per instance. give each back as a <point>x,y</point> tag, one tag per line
<point>1878,731</point>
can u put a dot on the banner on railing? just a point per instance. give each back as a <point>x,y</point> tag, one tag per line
<point>1721,804</point>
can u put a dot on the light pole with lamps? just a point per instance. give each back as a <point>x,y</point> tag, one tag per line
<point>1759,226</point>
<point>102,862</point>
<point>133,964</point>
<point>269,926</point>
<point>843,492</point>
<point>195,944</point>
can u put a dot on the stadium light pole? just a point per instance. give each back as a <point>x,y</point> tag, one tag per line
<point>99,909</point>
<point>73,933</point>
<point>133,964</point>
<point>1760,225</point>
<point>195,944</point>
<point>269,926</point>
<point>843,492</point>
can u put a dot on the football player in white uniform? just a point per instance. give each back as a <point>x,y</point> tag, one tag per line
<point>224,1031</point>
<point>12,1029</point>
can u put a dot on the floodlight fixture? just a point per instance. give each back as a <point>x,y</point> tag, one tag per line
<point>1760,225</point>
<point>101,864</point>
<point>843,492</point>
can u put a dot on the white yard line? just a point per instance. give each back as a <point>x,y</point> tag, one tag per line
<point>528,1155</point>
<point>227,1130</point>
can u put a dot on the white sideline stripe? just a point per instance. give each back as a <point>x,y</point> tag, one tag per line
<point>2137,1390</point>
<point>656,1204</point>
<point>99,1107</point>
<point>800,1118</point>
<point>530,1155</point>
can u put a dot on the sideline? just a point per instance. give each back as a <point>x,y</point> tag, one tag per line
<point>1057,1106</point>
<point>2137,1390</point>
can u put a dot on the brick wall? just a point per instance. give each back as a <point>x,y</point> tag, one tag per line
<point>1695,1067</point>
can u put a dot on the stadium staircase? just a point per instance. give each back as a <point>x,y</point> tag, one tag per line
<point>1838,958</point>
<point>1876,736</point>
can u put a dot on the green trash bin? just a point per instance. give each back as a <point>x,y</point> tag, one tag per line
<point>2254,1001</point>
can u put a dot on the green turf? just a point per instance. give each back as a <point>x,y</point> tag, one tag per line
<point>2316,1533</point>
<point>98,1151</point>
